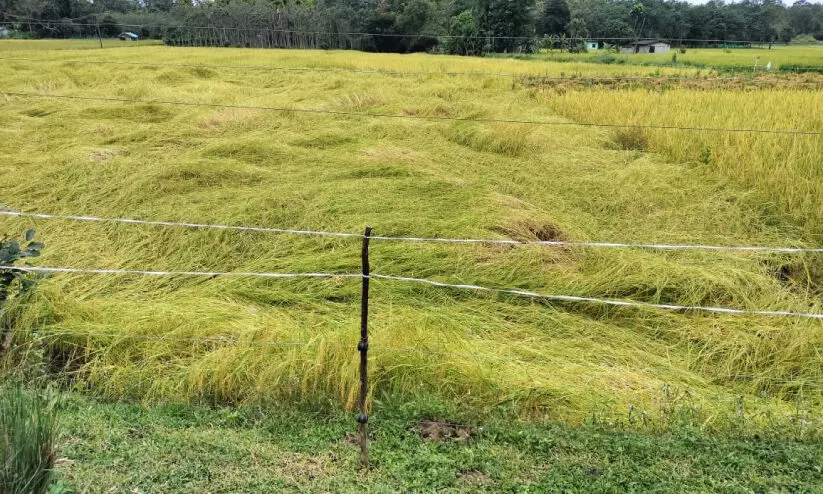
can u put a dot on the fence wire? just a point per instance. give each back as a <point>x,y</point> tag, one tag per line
<point>603,301</point>
<point>556,297</point>
<point>29,20</point>
<point>493,241</point>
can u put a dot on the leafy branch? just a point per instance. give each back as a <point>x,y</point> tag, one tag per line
<point>14,282</point>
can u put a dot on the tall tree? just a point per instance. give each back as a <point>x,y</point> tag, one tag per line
<point>638,16</point>
<point>465,38</point>
<point>555,18</point>
<point>499,25</point>
<point>578,29</point>
<point>507,23</point>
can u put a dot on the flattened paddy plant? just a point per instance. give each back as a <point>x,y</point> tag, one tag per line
<point>235,339</point>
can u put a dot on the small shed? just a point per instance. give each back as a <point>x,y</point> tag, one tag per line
<point>647,46</point>
<point>592,45</point>
<point>128,36</point>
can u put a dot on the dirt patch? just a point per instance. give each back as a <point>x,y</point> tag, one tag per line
<point>594,473</point>
<point>797,275</point>
<point>474,477</point>
<point>528,231</point>
<point>431,430</point>
<point>351,439</point>
<point>630,139</point>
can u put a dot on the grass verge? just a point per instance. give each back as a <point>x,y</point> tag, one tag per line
<point>28,436</point>
<point>129,448</point>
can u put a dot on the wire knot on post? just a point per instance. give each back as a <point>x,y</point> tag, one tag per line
<point>362,418</point>
<point>362,346</point>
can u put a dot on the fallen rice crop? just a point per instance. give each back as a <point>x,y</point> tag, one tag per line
<point>135,337</point>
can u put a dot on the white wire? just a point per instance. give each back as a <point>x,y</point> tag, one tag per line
<point>494,241</point>
<point>620,303</point>
<point>563,243</point>
<point>565,298</point>
<point>178,273</point>
<point>172,223</point>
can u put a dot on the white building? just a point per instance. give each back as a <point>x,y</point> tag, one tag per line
<point>647,46</point>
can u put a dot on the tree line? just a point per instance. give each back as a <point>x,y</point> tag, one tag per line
<point>467,27</point>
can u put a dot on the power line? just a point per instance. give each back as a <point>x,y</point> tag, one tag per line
<point>62,21</point>
<point>413,117</point>
<point>412,36</point>
<point>619,303</point>
<point>492,241</point>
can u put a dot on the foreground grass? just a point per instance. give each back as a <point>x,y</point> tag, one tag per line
<point>128,448</point>
<point>138,338</point>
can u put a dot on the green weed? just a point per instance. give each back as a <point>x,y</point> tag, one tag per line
<point>28,441</point>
